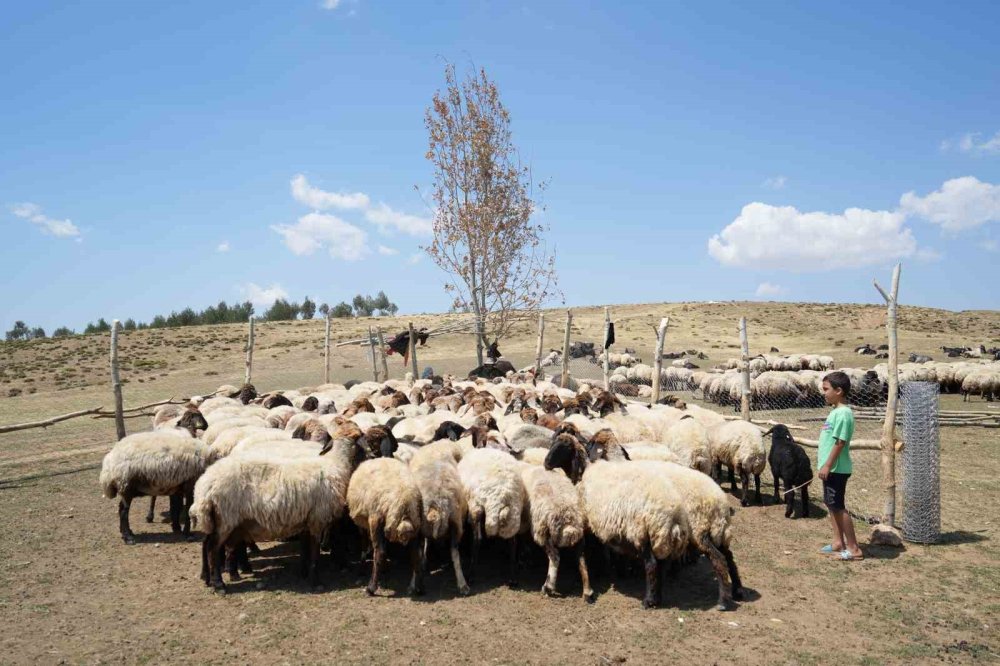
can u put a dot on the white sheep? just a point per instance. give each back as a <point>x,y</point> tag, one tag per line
<point>385,503</point>
<point>556,518</point>
<point>161,462</point>
<point>740,446</point>
<point>495,495</point>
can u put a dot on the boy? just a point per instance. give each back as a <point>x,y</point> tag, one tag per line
<point>834,464</point>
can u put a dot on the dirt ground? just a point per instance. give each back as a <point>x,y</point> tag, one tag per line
<point>72,592</point>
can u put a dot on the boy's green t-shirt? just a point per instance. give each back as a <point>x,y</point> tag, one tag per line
<point>839,425</point>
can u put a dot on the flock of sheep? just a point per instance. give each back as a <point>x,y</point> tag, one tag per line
<point>795,381</point>
<point>358,467</point>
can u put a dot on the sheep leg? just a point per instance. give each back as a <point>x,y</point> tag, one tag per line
<point>377,536</point>
<point>789,500</point>
<point>805,501</point>
<point>152,507</point>
<point>213,552</point>
<point>652,566</point>
<point>549,588</point>
<point>756,490</point>
<point>416,588</point>
<point>303,555</point>
<point>588,592</point>
<point>512,554</point>
<point>175,513</point>
<point>124,504</point>
<point>477,542</point>
<point>205,576</point>
<point>734,573</point>
<point>720,567</point>
<point>188,498</point>
<point>774,475</point>
<point>732,479</point>
<point>456,561</point>
<point>313,544</point>
<point>243,558</point>
<point>232,556</point>
<point>745,482</point>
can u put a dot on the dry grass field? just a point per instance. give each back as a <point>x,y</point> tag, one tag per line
<point>72,592</point>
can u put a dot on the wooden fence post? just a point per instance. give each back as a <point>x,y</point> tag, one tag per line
<point>745,370</point>
<point>413,351</point>
<point>889,425</point>
<point>538,347</point>
<point>371,344</point>
<point>248,375</point>
<point>564,379</point>
<point>326,353</point>
<point>381,353</point>
<point>661,335</point>
<point>607,350</point>
<point>116,382</point>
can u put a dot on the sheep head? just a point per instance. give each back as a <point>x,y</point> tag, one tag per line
<point>247,394</point>
<point>448,430</point>
<point>192,421</point>
<point>380,442</point>
<point>567,454</point>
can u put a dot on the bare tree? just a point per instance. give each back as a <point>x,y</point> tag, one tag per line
<point>484,237</point>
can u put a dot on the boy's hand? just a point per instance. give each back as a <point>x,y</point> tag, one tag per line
<point>824,472</point>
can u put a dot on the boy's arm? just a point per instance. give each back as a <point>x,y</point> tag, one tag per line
<point>838,446</point>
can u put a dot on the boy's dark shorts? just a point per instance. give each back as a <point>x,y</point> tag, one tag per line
<point>833,490</point>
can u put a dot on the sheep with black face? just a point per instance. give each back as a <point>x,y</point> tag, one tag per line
<point>789,464</point>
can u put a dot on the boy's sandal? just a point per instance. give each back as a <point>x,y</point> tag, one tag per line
<point>828,549</point>
<point>846,556</point>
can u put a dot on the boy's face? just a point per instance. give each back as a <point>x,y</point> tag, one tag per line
<point>832,395</point>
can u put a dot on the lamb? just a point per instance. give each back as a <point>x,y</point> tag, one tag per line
<point>496,498</point>
<point>740,446</point>
<point>789,463</point>
<point>444,507</point>
<point>557,520</point>
<point>385,504</point>
<point>628,506</point>
<point>161,462</point>
<point>264,497</point>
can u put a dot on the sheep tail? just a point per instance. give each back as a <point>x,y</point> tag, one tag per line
<point>569,535</point>
<point>405,531</point>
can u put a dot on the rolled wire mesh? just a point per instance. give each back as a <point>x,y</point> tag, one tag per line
<point>921,520</point>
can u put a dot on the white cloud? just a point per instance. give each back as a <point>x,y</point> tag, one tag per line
<point>319,199</point>
<point>775,182</point>
<point>928,254</point>
<point>989,245</point>
<point>223,247</point>
<point>769,237</point>
<point>387,219</point>
<point>330,4</point>
<point>33,213</point>
<point>387,251</point>
<point>415,258</point>
<point>317,230</point>
<point>961,203</point>
<point>768,289</point>
<point>263,296</point>
<point>970,143</point>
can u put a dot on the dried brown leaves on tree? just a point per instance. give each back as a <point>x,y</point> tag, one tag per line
<point>484,237</point>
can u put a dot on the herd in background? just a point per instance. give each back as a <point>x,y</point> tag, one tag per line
<point>364,468</point>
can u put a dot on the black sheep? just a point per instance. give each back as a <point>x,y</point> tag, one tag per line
<point>789,463</point>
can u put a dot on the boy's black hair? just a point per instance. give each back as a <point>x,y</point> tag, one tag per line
<point>839,380</point>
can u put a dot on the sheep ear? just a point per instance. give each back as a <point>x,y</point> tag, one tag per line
<point>767,432</point>
<point>326,447</point>
<point>510,408</point>
<point>300,433</point>
<point>388,446</point>
<point>625,452</point>
<point>391,423</point>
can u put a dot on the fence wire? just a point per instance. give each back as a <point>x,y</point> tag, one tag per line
<point>921,462</point>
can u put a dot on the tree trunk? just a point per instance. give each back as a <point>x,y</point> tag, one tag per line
<point>661,335</point>
<point>116,382</point>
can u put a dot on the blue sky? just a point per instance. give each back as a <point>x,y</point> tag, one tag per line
<point>139,139</point>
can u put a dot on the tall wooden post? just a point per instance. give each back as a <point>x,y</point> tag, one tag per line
<point>745,370</point>
<point>381,354</point>
<point>607,350</point>
<point>538,347</point>
<point>326,353</point>
<point>889,425</point>
<point>413,351</point>
<point>661,335</point>
<point>116,382</point>
<point>564,379</point>
<point>371,343</point>
<point>248,374</point>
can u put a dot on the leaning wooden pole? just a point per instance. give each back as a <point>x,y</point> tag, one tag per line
<point>381,354</point>
<point>607,349</point>
<point>889,425</point>
<point>116,382</point>
<point>413,351</point>
<point>745,370</point>
<point>538,346</point>
<point>564,378</point>
<point>248,374</point>
<point>661,334</point>
<point>371,345</point>
<point>326,353</point>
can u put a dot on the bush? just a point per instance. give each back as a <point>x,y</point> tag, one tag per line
<point>63,332</point>
<point>282,310</point>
